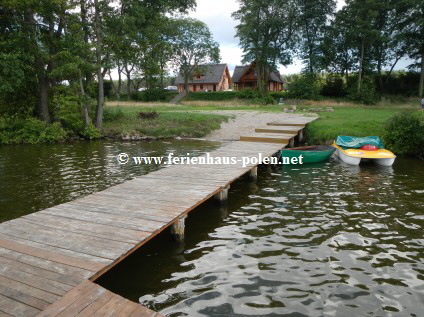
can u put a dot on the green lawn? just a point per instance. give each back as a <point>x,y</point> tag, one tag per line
<point>125,122</point>
<point>354,121</point>
<point>185,119</point>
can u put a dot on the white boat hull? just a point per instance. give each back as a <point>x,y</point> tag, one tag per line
<point>348,159</point>
<point>357,160</point>
<point>385,161</point>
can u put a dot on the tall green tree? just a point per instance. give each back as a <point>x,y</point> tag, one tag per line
<point>415,37</point>
<point>193,45</point>
<point>267,34</point>
<point>314,17</point>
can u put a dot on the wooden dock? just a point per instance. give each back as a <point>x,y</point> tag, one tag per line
<point>50,259</point>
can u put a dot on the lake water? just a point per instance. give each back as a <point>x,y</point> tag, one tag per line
<point>315,240</point>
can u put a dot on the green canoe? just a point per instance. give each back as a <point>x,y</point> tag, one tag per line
<point>310,154</point>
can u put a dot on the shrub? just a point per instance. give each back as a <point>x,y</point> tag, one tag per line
<point>213,95</point>
<point>333,87</point>
<point>90,132</point>
<point>29,130</point>
<point>305,86</point>
<point>278,94</point>
<point>67,109</point>
<point>248,94</point>
<point>404,133</point>
<point>367,94</point>
<point>155,94</point>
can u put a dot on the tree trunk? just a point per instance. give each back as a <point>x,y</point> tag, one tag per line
<point>260,73</point>
<point>361,65</point>
<point>100,95</point>
<point>380,78</point>
<point>186,86</point>
<point>420,92</point>
<point>391,69</point>
<point>83,9</point>
<point>84,103</point>
<point>43,101</point>
<point>119,82</point>
<point>128,83</point>
<point>43,89</point>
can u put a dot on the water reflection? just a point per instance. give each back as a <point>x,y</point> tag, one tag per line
<point>317,240</point>
<point>35,177</point>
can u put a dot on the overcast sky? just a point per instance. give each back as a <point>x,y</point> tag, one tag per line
<point>217,15</point>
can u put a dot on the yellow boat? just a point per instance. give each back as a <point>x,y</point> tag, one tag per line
<point>354,156</point>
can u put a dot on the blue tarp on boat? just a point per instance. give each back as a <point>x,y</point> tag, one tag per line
<point>352,142</point>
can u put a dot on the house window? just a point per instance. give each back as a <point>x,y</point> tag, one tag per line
<point>201,87</point>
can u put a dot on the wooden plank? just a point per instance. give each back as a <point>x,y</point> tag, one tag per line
<point>117,220</point>
<point>51,256</point>
<point>286,124</point>
<point>127,310</point>
<point>29,289</point>
<point>142,311</point>
<point>14,308</point>
<point>91,309</point>
<point>156,216</point>
<point>23,298</point>
<point>59,251</point>
<point>82,302</point>
<point>87,228</point>
<point>70,297</point>
<point>39,282</point>
<point>295,120</point>
<point>279,129</point>
<point>46,264</point>
<point>66,240</point>
<point>47,274</point>
<point>113,306</point>
<point>267,137</point>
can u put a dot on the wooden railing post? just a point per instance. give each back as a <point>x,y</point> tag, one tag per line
<point>178,228</point>
<point>253,173</point>
<point>222,196</point>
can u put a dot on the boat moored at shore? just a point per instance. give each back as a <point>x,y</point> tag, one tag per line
<point>354,150</point>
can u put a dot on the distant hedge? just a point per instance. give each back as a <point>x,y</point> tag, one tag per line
<point>230,95</point>
<point>153,95</point>
<point>212,95</point>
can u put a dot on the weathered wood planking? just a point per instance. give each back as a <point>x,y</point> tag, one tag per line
<point>280,138</point>
<point>294,121</point>
<point>46,257</point>
<point>279,129</point>
<point>90,299</point>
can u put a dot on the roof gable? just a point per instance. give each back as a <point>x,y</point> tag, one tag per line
<point>240,71</point>
<point>212,75</point>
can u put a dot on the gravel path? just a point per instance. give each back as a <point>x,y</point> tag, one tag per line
<point>244,122</point>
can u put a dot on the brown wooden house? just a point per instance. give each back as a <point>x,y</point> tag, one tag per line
<point>214,78</point>
<point>245,77</point>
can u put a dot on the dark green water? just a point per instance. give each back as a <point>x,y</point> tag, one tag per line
<point>317,240</point>
<point>35,177</point>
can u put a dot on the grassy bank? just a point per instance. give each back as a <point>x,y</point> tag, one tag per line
<point>355,121</point>
<point>126,122</point>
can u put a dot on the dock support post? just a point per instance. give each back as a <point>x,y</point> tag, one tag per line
<point>291,142</point>
<point>178,227</point>
<point>301,135</point>
<point>253,173</point>
<point>222,196</point>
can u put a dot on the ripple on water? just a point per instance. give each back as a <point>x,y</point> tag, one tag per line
<point>292,248</point>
